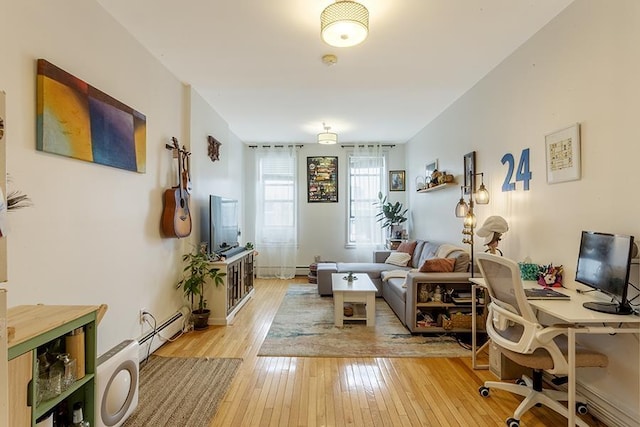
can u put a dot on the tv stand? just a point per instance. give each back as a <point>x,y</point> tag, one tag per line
<point>608,307</point>
<point>226,300</point>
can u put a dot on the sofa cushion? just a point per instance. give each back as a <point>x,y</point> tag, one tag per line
<point>438,265</point>
<point>398,273</point>
<point>415,260</point>
<point>407,247</point>
<point>398,258</point>
<point>397,286</point>
<point>462,261</point>
<point>428,252</point>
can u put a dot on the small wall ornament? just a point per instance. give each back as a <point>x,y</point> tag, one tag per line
<point>213,148</point>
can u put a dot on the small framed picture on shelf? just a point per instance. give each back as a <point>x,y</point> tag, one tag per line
<point>429,170</point>
<point>396,181</point>
<point>563,154</point>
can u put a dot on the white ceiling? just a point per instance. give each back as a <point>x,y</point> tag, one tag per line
<point>258,62</point>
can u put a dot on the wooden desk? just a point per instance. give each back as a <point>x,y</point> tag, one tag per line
<point>582,320</point>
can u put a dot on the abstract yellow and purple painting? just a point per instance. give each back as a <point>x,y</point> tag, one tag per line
<point>77,120</point>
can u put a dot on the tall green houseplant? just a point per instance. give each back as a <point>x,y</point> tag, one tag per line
<point>390,213</point>
<point>196,272</point>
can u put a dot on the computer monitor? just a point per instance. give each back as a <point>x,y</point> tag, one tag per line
<point>604,261</point>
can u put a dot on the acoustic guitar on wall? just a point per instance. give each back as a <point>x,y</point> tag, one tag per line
<point>176,217</point>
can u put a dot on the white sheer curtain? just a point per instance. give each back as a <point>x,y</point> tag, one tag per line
<point>367,173</point>
<point>276,212</point>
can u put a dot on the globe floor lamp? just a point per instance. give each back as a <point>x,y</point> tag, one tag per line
<point>465,210</point>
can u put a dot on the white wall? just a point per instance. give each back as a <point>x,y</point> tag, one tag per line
<point>222,177</point>
<point>582,67</point>
<point>92,235</point>
<point>321,226</point>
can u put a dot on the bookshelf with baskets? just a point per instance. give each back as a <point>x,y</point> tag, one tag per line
<point>451,311</point>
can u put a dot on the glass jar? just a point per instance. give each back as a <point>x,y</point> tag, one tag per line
<point>424,293</point>
<point>437,295</point>
<point>68,370</point>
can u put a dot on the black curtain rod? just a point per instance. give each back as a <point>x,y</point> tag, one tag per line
<point>276,146</point>
<point>370,145</point>
<point>302,145</point>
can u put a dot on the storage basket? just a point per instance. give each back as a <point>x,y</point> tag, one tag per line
<point>445,322</point>
<point>461,321</point>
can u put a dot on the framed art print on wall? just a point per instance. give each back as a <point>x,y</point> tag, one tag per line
<point>562,150</point>
<point>74,119</point>
<point>396,181</point>
<point>322,179</point>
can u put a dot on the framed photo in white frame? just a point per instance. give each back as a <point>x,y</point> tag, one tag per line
<point>562,150</point>
<point>429,169</point>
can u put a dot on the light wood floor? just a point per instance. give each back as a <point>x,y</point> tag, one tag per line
<point>306,391</point>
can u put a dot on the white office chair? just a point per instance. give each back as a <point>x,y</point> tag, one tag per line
<point>514,328</point>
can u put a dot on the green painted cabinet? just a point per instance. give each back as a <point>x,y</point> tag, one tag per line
<point>36,326</point>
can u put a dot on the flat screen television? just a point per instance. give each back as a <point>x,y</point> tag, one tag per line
<point>604,261</point>
<point>220,224</point>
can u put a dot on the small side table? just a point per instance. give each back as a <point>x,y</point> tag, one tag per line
<point>361,290</point>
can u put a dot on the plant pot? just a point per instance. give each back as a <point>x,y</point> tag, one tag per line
<point>200,318</point>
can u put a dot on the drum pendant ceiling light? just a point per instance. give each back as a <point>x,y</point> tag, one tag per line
<point>344,23</point>
<point>326,137</point>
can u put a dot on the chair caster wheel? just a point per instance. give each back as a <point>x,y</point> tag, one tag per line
<point>512,422</point>
<point>581,408</point>
<point>520,381</point>
<point>484,391</point>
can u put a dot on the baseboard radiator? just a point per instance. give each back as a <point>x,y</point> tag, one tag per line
<point>167,329</point>
<point>611,414</point>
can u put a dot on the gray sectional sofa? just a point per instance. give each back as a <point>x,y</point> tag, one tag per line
<point>398,291</point>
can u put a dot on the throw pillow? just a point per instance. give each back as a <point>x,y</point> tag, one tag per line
<point>407,247</point>
<point>438,265</point>
<point>398,258</point>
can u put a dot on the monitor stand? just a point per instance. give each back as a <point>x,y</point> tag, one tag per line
<point>608,307</point>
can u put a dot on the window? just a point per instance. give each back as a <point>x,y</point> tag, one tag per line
<point>277,179</point>
<point>276,207</point>
<point>367,172</point>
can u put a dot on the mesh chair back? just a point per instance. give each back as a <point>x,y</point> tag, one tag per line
<point>502,277</point>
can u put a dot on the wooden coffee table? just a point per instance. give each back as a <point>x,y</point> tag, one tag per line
<point>361,291</point>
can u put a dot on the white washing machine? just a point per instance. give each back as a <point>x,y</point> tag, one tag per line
<point>117,384</point>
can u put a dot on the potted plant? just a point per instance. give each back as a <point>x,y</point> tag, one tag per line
<point>197,271</point>
<point>391,214</point>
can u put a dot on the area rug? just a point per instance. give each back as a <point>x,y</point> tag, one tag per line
<point>181,391</point>
<point>303,326</point>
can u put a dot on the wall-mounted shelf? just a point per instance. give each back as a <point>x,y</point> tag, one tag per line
<point>437,187</point>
